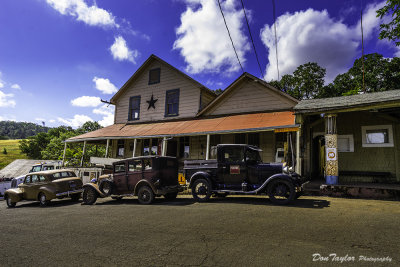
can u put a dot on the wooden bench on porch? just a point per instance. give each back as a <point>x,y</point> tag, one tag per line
<point>365,174</point>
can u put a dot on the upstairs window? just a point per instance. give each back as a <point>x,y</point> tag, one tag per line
<point>172,103</point>
<point>134,108</point>
<point>154,76</point>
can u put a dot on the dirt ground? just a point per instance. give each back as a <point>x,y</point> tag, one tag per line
<point>236,231</point>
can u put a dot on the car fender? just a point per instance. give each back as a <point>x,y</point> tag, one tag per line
<point>95,187</point>
<point>50,192</point>
<point>14,193</point>
<point>275,177</point>
<point>199,175</point>
<point>141,183</point>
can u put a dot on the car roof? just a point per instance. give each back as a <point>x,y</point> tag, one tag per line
<point>50,171</point>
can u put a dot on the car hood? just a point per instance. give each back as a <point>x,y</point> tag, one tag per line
<point>276,167</point>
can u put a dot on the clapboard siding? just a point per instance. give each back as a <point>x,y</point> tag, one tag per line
<point>251,96</point>
<point>206,98</point>
<point>189,95</point>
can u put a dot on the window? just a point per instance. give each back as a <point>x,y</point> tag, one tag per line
<point>27,180</point>
<point>233,154</point>
<point>154,146</point>
<point>240,138</point>
<point>134,108</point>
<point>254,139</point>
<point>120,167</point>
<point>345,143</point>
<point>147,164</point>
<point>35,178</point>
<point>146,147</point>
<point>172,103</point>
<point>154,76</point>
<point>120,148</point>
<point>377,136</point>
<point>46,168</point>
<point>184,147</point>
<point>42,178</point>
<point>37,168</point>
<point>135,166</point>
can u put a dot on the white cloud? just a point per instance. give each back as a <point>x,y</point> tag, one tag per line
<point>91,15</point>
<point>108,114</point>
<point>86,101</point>
<point>40,119</point>
<point>52,121</point>
<point>16,86</point>
<point>6,100</point>
<point>104,85</point>
<point>313,36</point>
<point>203,40</point>
<point>1,84</point>
<point>76,122</point>
<point>120,50</point>
<point>8,118</point>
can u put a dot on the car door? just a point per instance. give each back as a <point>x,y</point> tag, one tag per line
<point>135,173</point>
<point>233,166</point>
<point>120,178</point>
<point>31,187</point>
<point>25,185</point>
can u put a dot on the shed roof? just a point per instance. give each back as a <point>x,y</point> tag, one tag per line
<point>348,102</point>
<point>17,168</point>
<point>227,124</point>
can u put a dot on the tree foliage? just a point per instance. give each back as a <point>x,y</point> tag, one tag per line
<point>390,30</point>
<point>307,81</point>
<point>19,130</point>
<point>50,145</point>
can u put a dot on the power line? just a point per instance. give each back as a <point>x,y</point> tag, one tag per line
<point>226,25</point>
<point>276,40</point>
<point>251,37</point>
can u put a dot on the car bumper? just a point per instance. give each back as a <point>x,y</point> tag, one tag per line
<point>68,193</point>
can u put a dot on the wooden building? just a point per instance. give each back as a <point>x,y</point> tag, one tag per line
<point>351,139</point>
<point>161,110</point>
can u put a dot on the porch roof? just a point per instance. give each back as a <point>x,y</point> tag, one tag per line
<point>348,103</point>
<point>228,124</point>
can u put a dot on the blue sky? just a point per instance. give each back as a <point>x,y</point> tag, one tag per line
<point>58,58</point>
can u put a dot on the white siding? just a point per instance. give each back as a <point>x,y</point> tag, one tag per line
<point>189,95</point>
<point>250,96</point>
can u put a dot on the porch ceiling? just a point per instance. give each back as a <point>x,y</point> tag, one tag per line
<point>228,124</point>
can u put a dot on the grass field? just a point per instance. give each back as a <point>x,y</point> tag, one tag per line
<point>13,152</point>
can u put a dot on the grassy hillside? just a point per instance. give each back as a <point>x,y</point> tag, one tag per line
<point>13,152</point>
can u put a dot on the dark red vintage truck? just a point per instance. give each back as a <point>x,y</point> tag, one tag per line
<point>145,177</point>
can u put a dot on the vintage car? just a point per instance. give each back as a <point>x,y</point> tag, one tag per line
<point>45,186</point>
<point>145,177</point>
<point>238,169</point>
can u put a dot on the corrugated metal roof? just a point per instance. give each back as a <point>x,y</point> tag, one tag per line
<point>234,123</point>
<point>18,167</point>
<point>342,102</point>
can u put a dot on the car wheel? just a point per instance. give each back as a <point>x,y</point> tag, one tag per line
<point>89,196</point>
<point>201,190</point>
<point>281,192</point>
<point>145,195</point>
<point>106,187</point>
<point>171,196</point>
<point>43,200</point>
<point>9,202</point>
<point>75,197</point>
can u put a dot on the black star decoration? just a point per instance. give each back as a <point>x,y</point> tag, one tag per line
<point>151,102</point>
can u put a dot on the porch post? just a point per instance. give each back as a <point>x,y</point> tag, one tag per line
<point>65,149</point>
<point>134,147</point>
<point>298,160</point>
<point>164,147</point>
<point>331,163</point>
<point>83,152</point>
<point>108,145</point>
<point>208,147</point>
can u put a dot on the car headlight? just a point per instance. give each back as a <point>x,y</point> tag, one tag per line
<point>287,169</point>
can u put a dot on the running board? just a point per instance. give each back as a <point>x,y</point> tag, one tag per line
<point>236,192</point>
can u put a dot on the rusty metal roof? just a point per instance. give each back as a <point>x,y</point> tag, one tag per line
<point>227,124</point>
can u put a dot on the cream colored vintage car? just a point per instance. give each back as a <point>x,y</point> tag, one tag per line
<point>45,186</point>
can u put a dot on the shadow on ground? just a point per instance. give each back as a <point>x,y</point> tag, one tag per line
<point>299,203</point>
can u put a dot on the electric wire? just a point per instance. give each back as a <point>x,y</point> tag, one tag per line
<point>226,25</point>
<point>251,37</point>
<point>276,40</point>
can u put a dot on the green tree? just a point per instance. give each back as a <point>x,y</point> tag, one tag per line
<point>390,30</point>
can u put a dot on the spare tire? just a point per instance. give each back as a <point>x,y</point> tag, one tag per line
<point>106,187</point>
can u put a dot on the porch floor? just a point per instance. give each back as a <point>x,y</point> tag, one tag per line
<point>360,190</point>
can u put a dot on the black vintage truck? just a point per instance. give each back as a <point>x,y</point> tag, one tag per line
<point>238,169</point>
